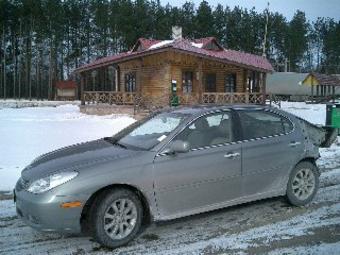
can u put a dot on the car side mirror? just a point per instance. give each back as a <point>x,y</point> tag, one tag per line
<point>178,146</point>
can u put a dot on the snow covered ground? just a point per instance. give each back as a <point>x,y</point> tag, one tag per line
<point>265,227</point>
<point>12,103</point>
<point>29,132</point>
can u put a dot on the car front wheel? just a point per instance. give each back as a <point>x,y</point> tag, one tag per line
<point>117,218</point>
<point>303,183</point>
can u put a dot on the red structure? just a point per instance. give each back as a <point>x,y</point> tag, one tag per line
<point>66,90</point>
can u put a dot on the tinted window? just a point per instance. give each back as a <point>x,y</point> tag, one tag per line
<point>258,124</point>
<point>208,130</point>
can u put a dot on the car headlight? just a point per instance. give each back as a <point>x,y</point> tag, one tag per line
<point>50,182</point>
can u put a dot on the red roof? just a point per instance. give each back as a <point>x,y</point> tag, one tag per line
<point>196,47</point>
<point>66,84</point>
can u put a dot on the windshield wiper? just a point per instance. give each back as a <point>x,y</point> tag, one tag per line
<point>114,141</point>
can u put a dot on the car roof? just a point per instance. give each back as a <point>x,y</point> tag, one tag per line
<point>202,109</point>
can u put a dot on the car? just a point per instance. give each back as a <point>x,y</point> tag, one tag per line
<point>175,163</point>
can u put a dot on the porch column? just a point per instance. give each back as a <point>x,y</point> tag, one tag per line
<point>82,81</point>
<point>118,73</point>
<point>245,85</point>
<point>312,91</point>
<point>264,85</point>
<point>200,81</point>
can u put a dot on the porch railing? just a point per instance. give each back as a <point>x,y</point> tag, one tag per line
<point>132,98</point>
<point>110,97</point>
<point>230,98</point>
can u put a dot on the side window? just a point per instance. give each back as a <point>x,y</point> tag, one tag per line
<point>257,124</point>
<point>130,82</point>
<point>208,130</point>
<point>230,83</point>
<point>187,81</point>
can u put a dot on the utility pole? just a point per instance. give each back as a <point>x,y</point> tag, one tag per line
<point>265,31</point>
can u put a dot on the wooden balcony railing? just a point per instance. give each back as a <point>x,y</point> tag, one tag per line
<point>110,97</point>
<point>232,98</point>
<point>145,101</point>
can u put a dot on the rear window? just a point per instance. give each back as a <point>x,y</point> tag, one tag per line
<point>257,124</point>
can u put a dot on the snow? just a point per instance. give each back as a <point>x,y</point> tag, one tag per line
<point>30,132</point>
<point>324,248</point>
<point>12,103</point>
<point>197,45</point>
<point>265,227</point>
<point>314,113</point>
<point>160,44</point>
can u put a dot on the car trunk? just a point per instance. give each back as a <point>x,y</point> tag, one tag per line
<point>321,136</point>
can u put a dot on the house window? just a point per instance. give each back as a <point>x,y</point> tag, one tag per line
<point>253,81</point>
<point>210,82</point>
<point>230,83</point>
<point>130,82</point>
<point>187,81</point>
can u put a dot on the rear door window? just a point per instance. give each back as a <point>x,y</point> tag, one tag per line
<point>259,123</point>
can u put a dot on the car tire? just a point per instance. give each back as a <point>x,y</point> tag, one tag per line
<point>117,217</point>
<point>303,183</point>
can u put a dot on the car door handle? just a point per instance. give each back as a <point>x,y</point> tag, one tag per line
<point>232,155</point>
<point>294,144</point>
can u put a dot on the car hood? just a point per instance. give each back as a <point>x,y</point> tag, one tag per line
<point>75,157</point>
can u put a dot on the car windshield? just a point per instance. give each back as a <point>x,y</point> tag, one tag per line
<point>153,131</point>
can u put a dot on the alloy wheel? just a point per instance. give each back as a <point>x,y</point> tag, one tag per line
<point>120,218</point>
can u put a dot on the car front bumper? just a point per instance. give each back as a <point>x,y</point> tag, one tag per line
<point>44,212</point>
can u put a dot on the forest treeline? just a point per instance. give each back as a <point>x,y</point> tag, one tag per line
<point>45,40</point>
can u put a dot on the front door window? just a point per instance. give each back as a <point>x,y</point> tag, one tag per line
<point>210,82</point>
<point>187,81</point>
<point>130,82</point>
<point>230,83</point>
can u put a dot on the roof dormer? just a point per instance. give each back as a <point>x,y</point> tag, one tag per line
<point>209,43</point>
<point>143,44</point>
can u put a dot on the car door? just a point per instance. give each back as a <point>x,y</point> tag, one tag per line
<point>270,149</point>
<point>206,176</point>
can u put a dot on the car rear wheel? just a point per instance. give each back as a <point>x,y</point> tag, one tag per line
<point>303,183</point>
<point>117,218</point>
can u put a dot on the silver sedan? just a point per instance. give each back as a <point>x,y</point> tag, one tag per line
<point>173,164</point>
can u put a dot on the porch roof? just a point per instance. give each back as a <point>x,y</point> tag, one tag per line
<point>195,47</point>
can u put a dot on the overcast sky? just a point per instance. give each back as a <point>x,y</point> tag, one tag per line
<point>312,8</point>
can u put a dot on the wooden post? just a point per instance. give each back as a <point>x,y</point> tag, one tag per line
<point>200,80</point>
<point>245,87</point>
<point>312,91</point>
<point>82,81</point>
<point>264,85</point>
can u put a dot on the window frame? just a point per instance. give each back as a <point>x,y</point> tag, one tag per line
<point>236,132</point>
<point>126,80</point>
<point>227,85</point>
<point>208,89</point>
<point>184,83</point>
<point>239,122</point>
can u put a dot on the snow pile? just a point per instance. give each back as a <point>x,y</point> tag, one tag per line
<point>29,132</point>
<point>197,45</point>
<point>160,44</point>
<point>11,103</point>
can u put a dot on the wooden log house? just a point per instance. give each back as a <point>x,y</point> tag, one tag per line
<point>197,71</point>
